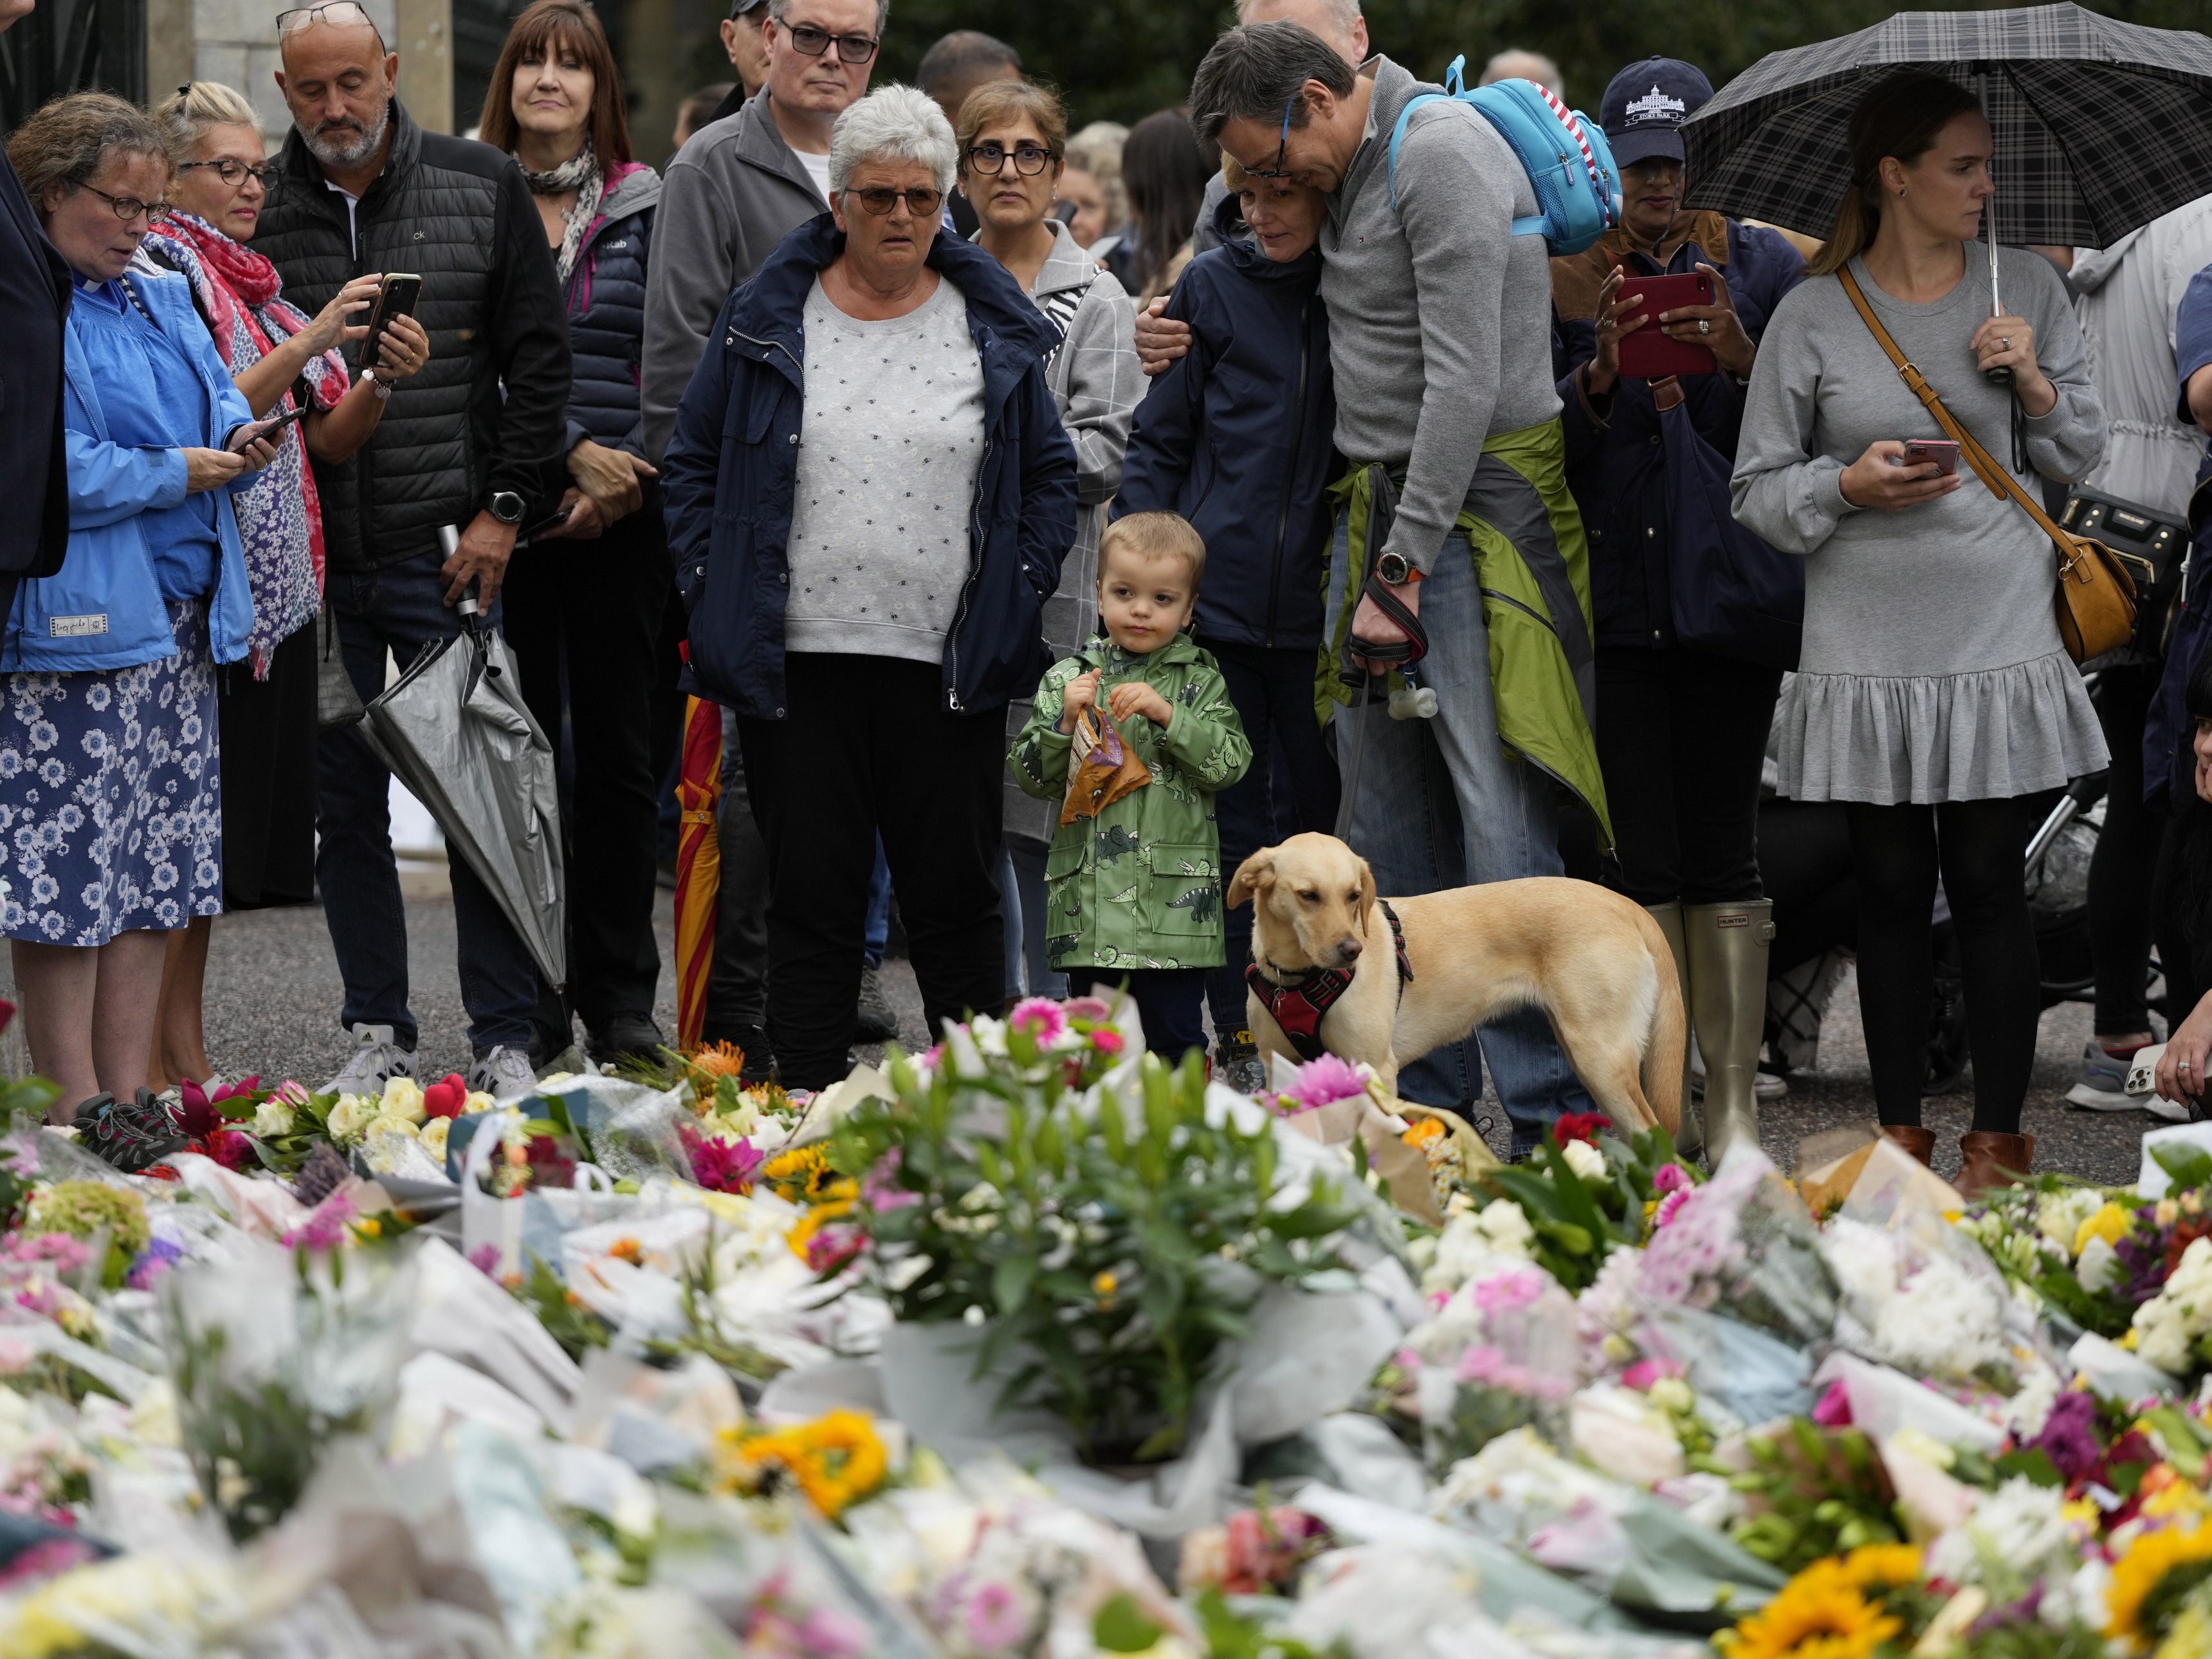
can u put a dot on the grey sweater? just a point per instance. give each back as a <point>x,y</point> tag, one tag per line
<point>729,196</point>
<point>1440,321</point>
<point>1932,668</point>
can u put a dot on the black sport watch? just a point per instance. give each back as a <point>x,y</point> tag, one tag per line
<point>506,506</point>
<point>1393,570</point>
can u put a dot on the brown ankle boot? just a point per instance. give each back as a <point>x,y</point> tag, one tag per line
<point>1989,1160</point>
<point>1919,1142</point>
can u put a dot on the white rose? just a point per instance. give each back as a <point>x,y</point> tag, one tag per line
<point>403,1099</point>
<point>478,1102</point>
<point>390,1123</point>
<point>349,1119</point>
<point>1585,1159</point>
<point>1506,1228</point>
<point>273,1119</point>
<point>434,1137</point>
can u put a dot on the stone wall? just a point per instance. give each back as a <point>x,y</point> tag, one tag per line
<point>234,41</point>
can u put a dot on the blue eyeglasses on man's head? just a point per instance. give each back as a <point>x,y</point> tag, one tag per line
<point>1282,148</point>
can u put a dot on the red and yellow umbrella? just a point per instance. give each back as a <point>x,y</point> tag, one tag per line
<point>698,865</point>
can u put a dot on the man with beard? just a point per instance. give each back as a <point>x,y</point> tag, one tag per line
<point>463,444</point>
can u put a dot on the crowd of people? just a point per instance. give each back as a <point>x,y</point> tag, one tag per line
<point>969,465</point>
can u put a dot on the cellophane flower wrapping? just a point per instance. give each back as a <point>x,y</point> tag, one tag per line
<point>1498,1354</point>
<point>1742,1245</point>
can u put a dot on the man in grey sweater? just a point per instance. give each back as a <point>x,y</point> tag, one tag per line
<point>736,189</point>
<point>1440,339</point>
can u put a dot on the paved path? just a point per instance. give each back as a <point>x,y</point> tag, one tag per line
<point>273,998</point>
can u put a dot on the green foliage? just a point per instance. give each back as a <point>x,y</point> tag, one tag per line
<point>1111,1254</point>
<point>1815,1492</point>
<point>1230,1635</point>
<point>566,1319</point>
<point>1579,1222</point>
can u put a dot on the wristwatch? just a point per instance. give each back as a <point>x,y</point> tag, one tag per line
<point>1396,570</point>
<point>506,506</point>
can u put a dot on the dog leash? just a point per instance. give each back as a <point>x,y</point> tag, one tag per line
<point>1413,700</point>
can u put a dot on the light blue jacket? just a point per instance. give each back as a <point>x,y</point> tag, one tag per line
<point>103,609</point>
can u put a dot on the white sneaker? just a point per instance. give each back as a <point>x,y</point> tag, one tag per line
<point>376,1059</point>
<point>504,1073</point>
<point>2102,1086</point>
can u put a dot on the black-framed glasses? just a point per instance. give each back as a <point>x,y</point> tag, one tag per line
<point>1282,148</point>
<point>921,200</point>
<point>234,173</point>
<point>128,208</point>
<point>349,11</point>
<point>1029,160</point>
<point>812,42</point>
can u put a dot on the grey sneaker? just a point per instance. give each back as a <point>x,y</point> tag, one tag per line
<point>879,1021</point>
<point>2103,1085</point>
<point>503,1072</point>
<point>376,1059</point>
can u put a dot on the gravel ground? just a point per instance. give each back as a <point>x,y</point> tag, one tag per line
<point>273,996</point>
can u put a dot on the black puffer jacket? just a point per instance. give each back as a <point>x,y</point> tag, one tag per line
<point>486,414</point>
<point>605,302</point>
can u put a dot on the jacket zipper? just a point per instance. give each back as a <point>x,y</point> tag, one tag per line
<point>1297,437</point>
<point>975,575</point>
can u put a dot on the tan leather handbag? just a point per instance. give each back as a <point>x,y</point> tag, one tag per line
<point>2096,601</point>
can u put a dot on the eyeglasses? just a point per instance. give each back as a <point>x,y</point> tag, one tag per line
<point>234,173</point>
<point>1282,150</point>
<point>812,42</point>
<point>128,208</point>
<point>1027,158</point>
<point>349,11</point>
<point>921,200</point>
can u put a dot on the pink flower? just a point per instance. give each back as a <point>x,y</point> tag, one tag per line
<point>720,1166</point>
<point>1669,1178</point>
<point>1107,1041</point>
<point>1041,1018</point>
<point>1321,1082</point>
<point>826,1634</point>
<point>485,1260</point>
<point>15,1356</point>
<point>231,1149</point>
<point>1833,1409</point>
<point>996,1618</point>
<point>833,1246</point>
<point>1092,1008</point>
<point>243,1089</point>
<point>1644,1372</point>
<point>291,1093</point>
<point>1668,1206</point>
<point>1516,1287</point>
<point>879,1187</point>
<point>325,1230</point>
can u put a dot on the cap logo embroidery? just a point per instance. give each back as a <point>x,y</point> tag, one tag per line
<point>1656,105</point>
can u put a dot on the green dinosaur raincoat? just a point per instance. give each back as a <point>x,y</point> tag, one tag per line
<point>1140,885</point>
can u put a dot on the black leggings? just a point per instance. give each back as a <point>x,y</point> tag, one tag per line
<point>1978,845</point>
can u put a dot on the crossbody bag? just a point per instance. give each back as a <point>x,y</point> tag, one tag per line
<point>2096,598</point>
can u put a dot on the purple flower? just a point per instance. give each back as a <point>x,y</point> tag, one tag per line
<point>325,1230</point>
<point>996,1618</point>
<point>2069,1435</point>
<point>879,1187</point>
<point>156,1259</point>
<point>485,1260</point>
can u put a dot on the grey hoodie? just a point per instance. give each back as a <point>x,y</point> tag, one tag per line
<point>730,195</point>
<point>1439,319</point>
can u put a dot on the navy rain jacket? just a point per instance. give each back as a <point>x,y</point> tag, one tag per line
<point>727,481</point>
<point>1616,458</point>
<point>1237,436</point>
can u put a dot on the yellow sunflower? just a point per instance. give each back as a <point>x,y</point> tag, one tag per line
<point>1882,1566</point>
<point>835,1461</point>
<point>1819,1614</point>
<point>801,1173</point>
<point>2139,1573</point>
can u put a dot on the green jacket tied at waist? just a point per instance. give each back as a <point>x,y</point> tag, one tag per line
<point>1139,886</point>
<point>1532,565</point>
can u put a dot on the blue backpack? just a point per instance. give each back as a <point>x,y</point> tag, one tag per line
<point>1562,151</point>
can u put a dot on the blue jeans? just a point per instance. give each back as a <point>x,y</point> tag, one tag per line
<point>398,609</point>
<point>1440,803</point>
<point>1029,972</point>
<point>877,939</point>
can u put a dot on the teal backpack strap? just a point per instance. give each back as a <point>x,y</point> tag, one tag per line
<point>1398,136</point>
<point>1456,88</point>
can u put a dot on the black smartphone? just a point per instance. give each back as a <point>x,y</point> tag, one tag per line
<point>395,297</point>
<point>552,520</point>
<point>244,434</point>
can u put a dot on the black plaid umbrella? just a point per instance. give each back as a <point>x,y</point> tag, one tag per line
<point>2101,126</point>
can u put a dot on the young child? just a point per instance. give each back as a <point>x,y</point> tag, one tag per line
<point>1135,893</point>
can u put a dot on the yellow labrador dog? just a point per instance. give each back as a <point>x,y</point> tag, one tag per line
<point>1593,961</point>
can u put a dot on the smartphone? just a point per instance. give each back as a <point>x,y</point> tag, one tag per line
<point>1942,451</point>
<point>242,435</point>
<point>552,520</point>
<point>1648,353</point>
<point>395,297</point>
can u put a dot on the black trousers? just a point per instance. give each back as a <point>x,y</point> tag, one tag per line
<point>1170,1001</point>
<point>584,620</point>
<point>867,748</point>
<point>1977,847</point>
<point>1291,787</point>
<point>1681,736</point>
<point>268,730</point>
<point>2121,869</point>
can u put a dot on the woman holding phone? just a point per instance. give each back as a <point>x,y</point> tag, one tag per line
<point>110,775</point>
<point>585,601</point>
<point>284,364</point>
<point>1934,693</point>
<point>1682,727</point>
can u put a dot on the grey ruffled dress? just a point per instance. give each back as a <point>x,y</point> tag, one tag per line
<point>1932,668</point>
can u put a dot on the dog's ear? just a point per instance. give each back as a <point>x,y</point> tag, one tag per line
<point>1256,872</point>
<point>1366,890</point>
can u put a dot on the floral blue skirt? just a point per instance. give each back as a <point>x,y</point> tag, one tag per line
<point>111,804</point>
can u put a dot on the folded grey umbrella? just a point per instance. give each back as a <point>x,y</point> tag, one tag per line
<point>455,730</point>
<point>2101,126</point>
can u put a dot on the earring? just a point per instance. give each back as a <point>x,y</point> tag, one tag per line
<point>1900,194</point>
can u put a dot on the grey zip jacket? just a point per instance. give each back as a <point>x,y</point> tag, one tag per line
<point>729,196</point>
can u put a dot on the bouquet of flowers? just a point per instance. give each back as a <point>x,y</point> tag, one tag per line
<point>1498,1354</point>
<point>1584,1193</point>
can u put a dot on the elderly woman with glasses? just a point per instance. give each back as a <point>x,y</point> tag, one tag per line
<point>278,356</point>
<point>110,776</point>
<point>870,598</point>
<point>1013,143</point>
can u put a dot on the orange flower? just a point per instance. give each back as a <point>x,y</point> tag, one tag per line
<point>1425,1131</point>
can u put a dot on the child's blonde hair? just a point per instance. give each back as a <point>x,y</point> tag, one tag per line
<point>1153,536</point>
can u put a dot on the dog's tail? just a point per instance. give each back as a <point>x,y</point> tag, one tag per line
<point>1667,1041</point>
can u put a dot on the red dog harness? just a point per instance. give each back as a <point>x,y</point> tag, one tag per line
<point>1298,1007</point>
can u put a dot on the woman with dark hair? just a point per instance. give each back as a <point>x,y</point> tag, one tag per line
<point>584,602</point>
<point>1165,170</point>
<point>1933,692</point>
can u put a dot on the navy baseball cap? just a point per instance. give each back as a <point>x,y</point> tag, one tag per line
<point>1645,106</point>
